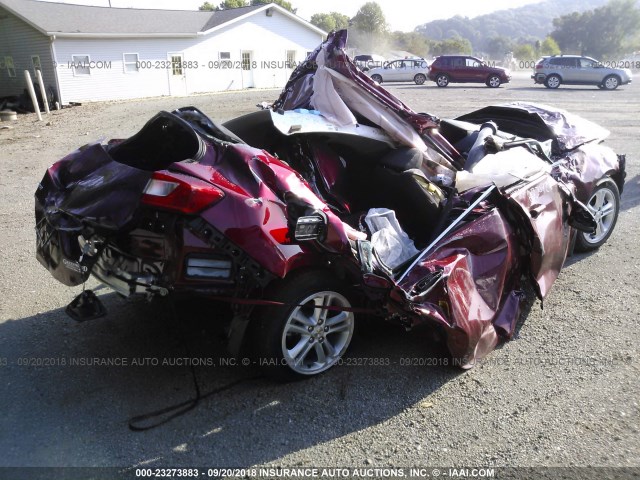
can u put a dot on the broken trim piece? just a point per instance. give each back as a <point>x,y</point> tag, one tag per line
<point>455,223</point>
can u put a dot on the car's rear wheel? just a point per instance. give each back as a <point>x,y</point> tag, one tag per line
<point>552,81</point>
<point>300,340</point>
<point>419,79</point>
<point>376,78</point>
<point>493,81</point>
<point>611,82</point>
<point>604,204</point>
<point>442,80</point>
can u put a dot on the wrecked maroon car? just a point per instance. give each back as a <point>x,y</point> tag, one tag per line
<point>336,203</point>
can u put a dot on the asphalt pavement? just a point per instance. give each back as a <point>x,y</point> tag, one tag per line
<point>563,393</point>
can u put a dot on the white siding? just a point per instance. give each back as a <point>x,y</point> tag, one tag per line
<point>107,79</point>
<point>20,41</point>
<point>268,38</point>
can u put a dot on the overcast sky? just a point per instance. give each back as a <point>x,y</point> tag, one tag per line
<point>401,14</point>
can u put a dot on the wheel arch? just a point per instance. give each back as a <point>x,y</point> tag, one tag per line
<point>614,75</point>
<point>619,175</point>
<point>490,76</point>
<point>581,244</point>
<point>421,75</point>
<point>554,74</point>
<point>266,321</point>
<point>243,320</point>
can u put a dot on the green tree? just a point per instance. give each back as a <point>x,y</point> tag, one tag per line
<point>330,21</point>
<point>549,47</point>
<point>225,5</point>
<point>370,31</point>
<point>525,52</point>
<point>498,46</point>
<point>282,3</point>
<point>571,30</point>
<point>452,46</point>
<point>412,42</point>
<point>601,32</point>
<point>371,19</point>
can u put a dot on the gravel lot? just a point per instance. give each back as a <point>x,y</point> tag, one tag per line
<point>565,392</point>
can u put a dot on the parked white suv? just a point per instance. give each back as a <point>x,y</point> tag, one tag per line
<point>404,70</point>
<point>577,70</point>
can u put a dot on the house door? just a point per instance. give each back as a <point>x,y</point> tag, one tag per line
<point>247,69</point>
<point>177,77</point>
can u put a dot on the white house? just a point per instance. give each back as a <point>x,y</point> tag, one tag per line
<point>98,53</point>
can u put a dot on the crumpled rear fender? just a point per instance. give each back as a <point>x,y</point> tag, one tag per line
<point>585,166</point>
<point>86,188</point>
<point>255,211</point>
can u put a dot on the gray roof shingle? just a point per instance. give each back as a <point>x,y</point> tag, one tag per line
<point>67,18</point>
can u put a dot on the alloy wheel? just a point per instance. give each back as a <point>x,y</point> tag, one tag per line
<point>611,83</point>
<point>603,207</point>
<point>494,81</point>
<point>314,339</point>
<point>442,80</point>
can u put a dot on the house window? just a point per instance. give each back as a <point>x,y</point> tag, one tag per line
<point>35,64</point>
<point>80,64</point>
<point>130,62</point>
<point>246,60</point>
<point>225,55</point>
<point>11,68</point>
<point>176,65</point>
<point>291,59</point>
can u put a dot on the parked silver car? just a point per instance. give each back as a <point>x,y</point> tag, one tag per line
<point>577,70</point>
<point>404,70</point>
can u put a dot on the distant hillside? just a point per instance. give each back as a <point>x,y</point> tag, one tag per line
<point>528,22</point>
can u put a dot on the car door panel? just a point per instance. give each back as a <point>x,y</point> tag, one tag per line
<point>544,205</point>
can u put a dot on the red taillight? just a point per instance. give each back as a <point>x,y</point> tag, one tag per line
<point>185,194</point>
<point>539,66</point>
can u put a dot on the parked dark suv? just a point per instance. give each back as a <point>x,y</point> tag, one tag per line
<point>447,69</point>
<point>577,70</point>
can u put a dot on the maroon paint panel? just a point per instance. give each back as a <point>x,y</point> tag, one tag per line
<point>546,208</point>
<point>481,269</point>
<point>253,213</point>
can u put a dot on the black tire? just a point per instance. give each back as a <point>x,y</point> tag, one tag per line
<point>293,343</point>
<point>376,78</point>
<point>442,80</point>
<point>420,78</point>
<point>601,87</point>
<point>552,81</point>
<point>604,203</point>
<point>611,82</point>
<point>493,81</point>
